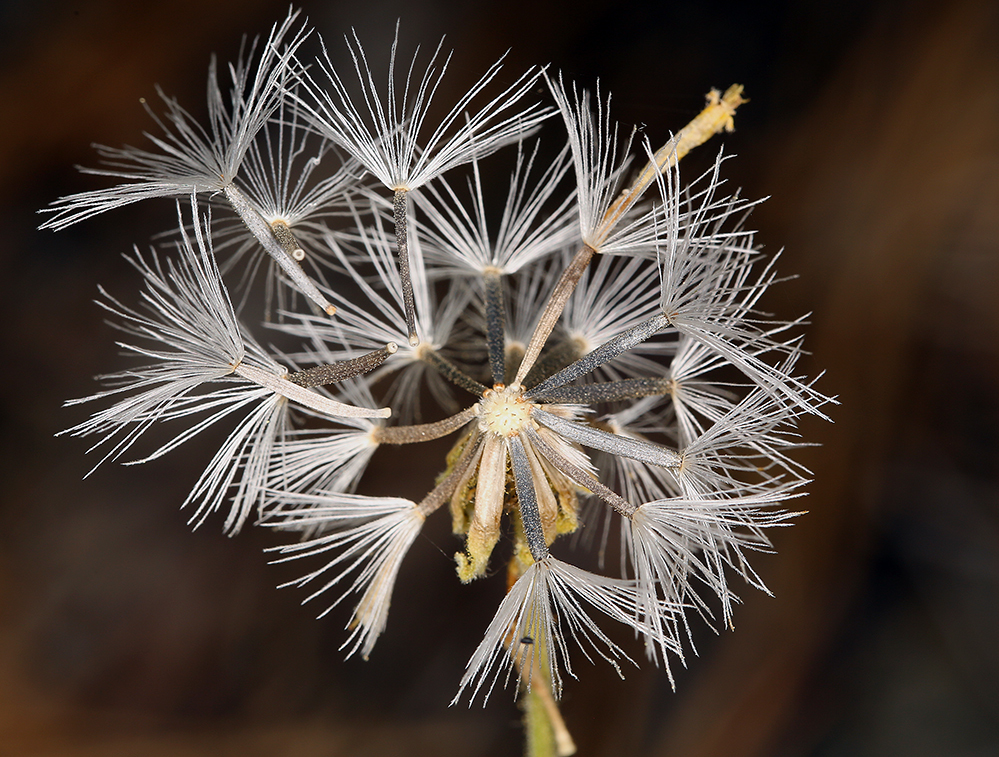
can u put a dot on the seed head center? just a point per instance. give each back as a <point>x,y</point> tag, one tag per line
<point>504,411</point>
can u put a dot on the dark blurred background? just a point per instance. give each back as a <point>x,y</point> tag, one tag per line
<point>874,129</point>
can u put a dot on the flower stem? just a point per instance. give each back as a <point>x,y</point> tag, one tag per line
<point>545,732</point>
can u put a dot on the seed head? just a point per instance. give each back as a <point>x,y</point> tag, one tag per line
<point>504,411</point>
<point>605,312</point>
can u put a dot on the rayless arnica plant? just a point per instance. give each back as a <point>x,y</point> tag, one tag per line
<point>592,348</point>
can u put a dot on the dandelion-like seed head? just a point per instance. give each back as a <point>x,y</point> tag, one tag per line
<point>597,358</point>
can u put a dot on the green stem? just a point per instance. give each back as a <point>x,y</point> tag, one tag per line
<point>538,734</point>
<point>545,734</point>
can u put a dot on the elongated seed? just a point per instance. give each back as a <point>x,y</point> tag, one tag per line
<point>450,371</point>
<point>554,360</point>
<point>303,396</point>
<point>399,202</point>
<point>579,475</point>
<point>602,354</point>
<point>323,375</point>
<point>528,500</point>
<point>495,323</point>
<point>608,391</point>
<point>423,432</point>
<point>265,235</point>
<point>615,444</point>
<point>553,309</point>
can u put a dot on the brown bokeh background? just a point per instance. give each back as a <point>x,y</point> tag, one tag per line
<point>873,127</point>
